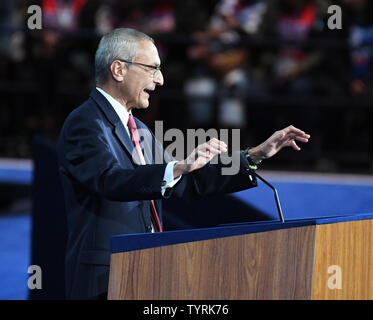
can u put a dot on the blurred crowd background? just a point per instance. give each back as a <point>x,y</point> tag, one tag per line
<point>256,65</point>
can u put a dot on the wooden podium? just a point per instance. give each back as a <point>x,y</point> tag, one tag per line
<point>306,259</point>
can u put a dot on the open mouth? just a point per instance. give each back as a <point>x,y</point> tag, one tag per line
<point>148,91</point>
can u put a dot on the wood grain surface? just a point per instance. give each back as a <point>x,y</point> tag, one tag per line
<point>348,246</point>
<point>269,265</point>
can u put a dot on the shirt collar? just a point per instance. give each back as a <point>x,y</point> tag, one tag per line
<point>117,106</point>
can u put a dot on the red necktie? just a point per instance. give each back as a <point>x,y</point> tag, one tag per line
<point>136,142</point>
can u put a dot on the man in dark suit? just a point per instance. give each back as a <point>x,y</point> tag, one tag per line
<point>110,187</point>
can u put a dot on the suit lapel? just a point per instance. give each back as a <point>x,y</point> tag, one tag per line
<point>124,138</point>
<point>119,129</point>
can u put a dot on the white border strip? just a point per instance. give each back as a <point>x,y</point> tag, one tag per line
<point>16,164</point>
<point>279,176</point>
<point>318,177</point>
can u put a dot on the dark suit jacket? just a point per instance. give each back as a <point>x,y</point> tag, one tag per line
<point>106,191</point>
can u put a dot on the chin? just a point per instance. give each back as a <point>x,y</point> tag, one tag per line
<point>144,105</point>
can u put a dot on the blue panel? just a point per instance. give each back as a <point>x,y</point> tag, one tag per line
<point>130,242</point>
<point>311,200</point>
<point>15,176</point>
<point>15,250</point>
<point>122,243</point>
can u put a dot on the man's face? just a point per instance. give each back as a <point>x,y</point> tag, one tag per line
<point>140,80</point>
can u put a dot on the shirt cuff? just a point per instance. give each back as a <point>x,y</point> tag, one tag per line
<point>168,178</point>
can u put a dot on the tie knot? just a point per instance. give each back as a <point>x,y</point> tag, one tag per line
<point>133,128</point>
<point>131,122</point>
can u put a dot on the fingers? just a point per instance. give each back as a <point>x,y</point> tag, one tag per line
<point>294,145</point>
<point>290,142</point>
<point>283,138</point>
<point>217,146</point>
<point>296,137</point>
<point>206,151</point>
<point>295,131</point>
<point>301,139</point>
<point>213,147</point>
<point>290,134</point>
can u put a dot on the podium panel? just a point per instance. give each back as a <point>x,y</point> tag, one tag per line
<point>274,264</point>
<point>344,261</point>
<point>321,259</point>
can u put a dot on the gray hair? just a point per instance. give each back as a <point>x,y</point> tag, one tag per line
<point>120,43</point>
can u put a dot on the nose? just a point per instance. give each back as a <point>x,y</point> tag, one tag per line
<point>158,78</point>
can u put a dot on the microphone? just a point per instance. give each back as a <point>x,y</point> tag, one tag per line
<point>277,199</point>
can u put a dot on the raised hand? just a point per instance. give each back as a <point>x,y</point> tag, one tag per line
<point>200,156</point>
<point>283,138</point>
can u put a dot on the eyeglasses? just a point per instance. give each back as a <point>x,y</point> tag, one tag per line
<point>155,69</point>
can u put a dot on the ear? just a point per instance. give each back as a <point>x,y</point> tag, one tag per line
<point>118,70</point>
